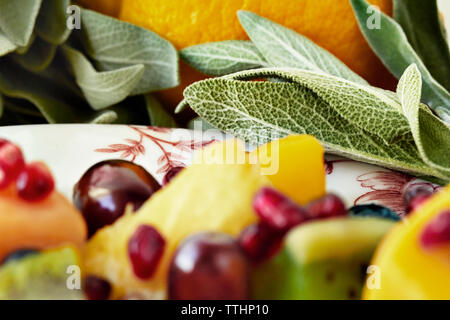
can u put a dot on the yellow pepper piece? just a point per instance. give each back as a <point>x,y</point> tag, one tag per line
<point>295,166</point>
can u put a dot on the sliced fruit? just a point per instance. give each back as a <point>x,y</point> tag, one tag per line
<point>408,269</point>
<point>295,165</point>
<point>40,276</point>
<point>202,198</point>
<point>38,225</point>
<point>326,259</point>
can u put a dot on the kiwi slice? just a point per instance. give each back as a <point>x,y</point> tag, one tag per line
<point>42,276</point>
<point>323,260</point>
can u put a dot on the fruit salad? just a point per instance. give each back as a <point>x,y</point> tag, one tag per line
<point>224,228</point>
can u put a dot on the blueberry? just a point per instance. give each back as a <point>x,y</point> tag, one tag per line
<point>373,210</point>
<point>18,255</point>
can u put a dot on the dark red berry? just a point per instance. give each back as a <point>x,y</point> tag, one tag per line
<point>35,182</point>
<point>12,163</point>
<point>260,242</point>
<point>96,288</point>
<point>209,266</point>
<point>416,195</point>
<point>417,202</point>
<point>437,232</point>
<point>145,250</point>
<point>277,211</point>
<point>105,190</point>
<point>326,207</point>
<point>171,174</point>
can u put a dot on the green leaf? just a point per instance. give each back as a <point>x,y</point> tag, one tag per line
<point>159,117</point>
<point>283,47</point>
<point>38,57</point>
<point>421,23</point>
<point>222,58</point>
<point>114,44</point>
<point>56,103</point>
<point>6,46</point>
<point>259,112</point>
<point>51,23</point>
<point>200,123</point>
<point>392,47</point>
<point>431,135</point>
<point>17,19</point>
<point>364,106</point>
<point>102,89</point>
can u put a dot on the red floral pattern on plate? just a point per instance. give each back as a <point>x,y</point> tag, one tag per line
<point>387,189</point>
<point>169,158</point>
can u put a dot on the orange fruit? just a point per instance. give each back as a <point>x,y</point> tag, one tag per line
<point>109,7</point>
<point>329,23</point>
<point>38,225</point>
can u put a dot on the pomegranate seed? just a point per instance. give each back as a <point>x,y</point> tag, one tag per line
<point>96,288</point>
<point>145,249</point>
<point>35,182</point>
<point>260,242</point>
<point>417,202</point>
<point>437,232</point>
<point>326,207</point>
<point>277,211</point>
<point>11,163</point>
<point>171,174</point>
<point>416,195</point>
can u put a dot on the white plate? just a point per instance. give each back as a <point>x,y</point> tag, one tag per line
<point>70,150</point>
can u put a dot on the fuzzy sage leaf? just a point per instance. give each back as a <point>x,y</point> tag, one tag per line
<point>261,111</point>
<point>51,23</point>
<point>392,47</point>
<point>102,89</point>
<point>6,46</point>
<point>38,57</point>
<point>431,135</point>
<point>421,23</point>
<point>224,57</point>
<point>58,105</point>
<point>17,19</point>
<point>283,47</point>
<point>114,44</point>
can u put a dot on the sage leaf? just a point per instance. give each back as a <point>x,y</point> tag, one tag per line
<point>51,23</point>
<point>224,57</point>
<point>421,23</point>
<point>6,46</point>
<point>392,47</point>
<point>38,57</point>
<point>364,106</point>
<point>159,117</point>
<point>102,89</point>
<point>56,103</point>
<point>259,112</point>
<point>24,108</point>
<point>199,122</point>
<point>431,135</point>
<point>283,47</point>
<point>114,44</point>
<point>181,106</point>
<point>24,49</point>
<point>18,18</point>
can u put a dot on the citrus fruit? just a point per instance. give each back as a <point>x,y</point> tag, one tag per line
<point>109,7</point>
<point>329,23</point>
<point>408,267</point>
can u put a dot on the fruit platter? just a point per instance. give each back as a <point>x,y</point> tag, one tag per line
<point>190,150</point>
